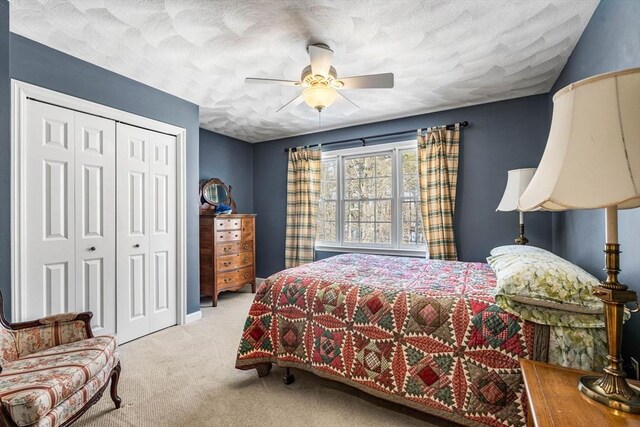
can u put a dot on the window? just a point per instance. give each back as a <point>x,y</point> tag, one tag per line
<point>370,200</point>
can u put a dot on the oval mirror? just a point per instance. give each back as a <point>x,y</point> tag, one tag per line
<point>215,194</point>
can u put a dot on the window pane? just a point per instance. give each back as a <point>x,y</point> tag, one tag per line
<point>383,210</point>
<point>352,211</point>
<point>330,231</point>
<point>368,188</point>
<point>354,168</point>
<point>383,233</point>
<point>326,211</point>
<point>383,165</point>
<point>409,162</point>
<point>367,232</point>
<point>412,230</point>
<point>367,212</point>
<point>383,188</point>
<point>328,190</point>
<point>410,184</point>
<point>329,170</point>
<point>353,189</point>
<point>326,226</point>
<point>351,232</point>
<point>369,167</point>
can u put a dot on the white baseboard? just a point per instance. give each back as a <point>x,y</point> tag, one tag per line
<point>192,317</point>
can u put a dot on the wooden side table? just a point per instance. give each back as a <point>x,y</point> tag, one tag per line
<point>553,399</point>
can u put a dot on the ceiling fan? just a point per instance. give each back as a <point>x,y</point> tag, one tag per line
<point>322,85</point>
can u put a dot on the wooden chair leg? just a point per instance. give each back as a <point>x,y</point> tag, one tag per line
<point>115,377</point>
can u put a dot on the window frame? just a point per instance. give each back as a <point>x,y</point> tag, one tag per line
<point>396,247</point>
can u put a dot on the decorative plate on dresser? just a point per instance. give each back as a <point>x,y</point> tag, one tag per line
<point>227,248</point>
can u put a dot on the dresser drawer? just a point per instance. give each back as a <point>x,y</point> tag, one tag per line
<point>228,236</point>
<point>228,223</point>
<point>234,279</point>
<point>230,262</point>
<point>248,228</point>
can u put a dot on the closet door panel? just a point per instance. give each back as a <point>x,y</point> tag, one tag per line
<point>162,238</point>
<point>133,231</point>
<point>49,209</point>
<point>95,169</point>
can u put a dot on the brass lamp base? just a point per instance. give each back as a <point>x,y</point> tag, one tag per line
<point>612,388</point>
<point>521,240</point>
<point>592,387</point>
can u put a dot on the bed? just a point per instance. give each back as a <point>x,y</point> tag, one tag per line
<point>424,333</point>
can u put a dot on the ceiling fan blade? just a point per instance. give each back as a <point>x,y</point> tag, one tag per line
<point>345,105</point>
<point>254,80</point>
<point>321,57</point>
<point>372,81</point>
<point>291,104</point>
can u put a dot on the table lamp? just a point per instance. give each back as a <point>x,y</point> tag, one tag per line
<point>517,182</point>
<point>592,160</point>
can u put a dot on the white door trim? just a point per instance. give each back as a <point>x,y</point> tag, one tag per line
<point>20,91</point>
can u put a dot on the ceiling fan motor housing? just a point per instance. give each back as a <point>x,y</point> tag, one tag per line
<point>310,80</point>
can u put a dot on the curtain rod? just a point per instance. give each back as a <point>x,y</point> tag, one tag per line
<point>382,135</point>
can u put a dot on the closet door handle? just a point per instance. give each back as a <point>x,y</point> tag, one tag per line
<point>137,245</point>
<point>92,248</point>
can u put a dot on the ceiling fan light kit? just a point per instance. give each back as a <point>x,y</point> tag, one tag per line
<point>322,85</point>
<point>319,97</point>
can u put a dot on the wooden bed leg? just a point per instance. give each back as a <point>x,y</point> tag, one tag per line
<point>263,369</point>
<point>115,377</point>
<point>288,377</point>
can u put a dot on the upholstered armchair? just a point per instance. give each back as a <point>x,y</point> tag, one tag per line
<point>53,369</point>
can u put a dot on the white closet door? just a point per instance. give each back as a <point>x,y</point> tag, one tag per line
<point>49,209</point>
<point>133,231</point>
<point>95,220</point>
<point>162,236</point>
<point>146,218</point>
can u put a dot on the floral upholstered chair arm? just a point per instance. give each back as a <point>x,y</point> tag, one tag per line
<point>50,331</point>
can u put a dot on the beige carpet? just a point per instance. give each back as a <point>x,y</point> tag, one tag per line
<point>185,376</point>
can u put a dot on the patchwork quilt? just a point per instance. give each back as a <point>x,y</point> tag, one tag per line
<point>424,333</point>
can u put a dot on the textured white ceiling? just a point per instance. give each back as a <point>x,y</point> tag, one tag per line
<point>444,54</point>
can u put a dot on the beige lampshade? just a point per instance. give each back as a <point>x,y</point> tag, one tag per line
<point>517,182</point>
<point>592,157</point>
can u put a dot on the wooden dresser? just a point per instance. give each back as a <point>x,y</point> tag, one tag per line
<point>227,253</point>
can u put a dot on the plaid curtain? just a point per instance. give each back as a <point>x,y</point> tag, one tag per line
<point>438,153</point>
<point>303,186</point>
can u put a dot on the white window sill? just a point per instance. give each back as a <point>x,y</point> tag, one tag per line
<point>377,251</point>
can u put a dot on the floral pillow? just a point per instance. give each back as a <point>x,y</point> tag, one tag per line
<point>516,249</point>
<point>545,280</point>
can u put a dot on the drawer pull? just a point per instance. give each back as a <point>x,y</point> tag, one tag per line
<point>245,259</point>
<point>235,235</point>
<point>227,280</point>
<point>244,276</point>
<point>245,246</point>
<point>227,263</point>
<point>226,249</point>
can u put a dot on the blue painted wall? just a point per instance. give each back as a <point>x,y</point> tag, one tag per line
<point>503,135</point>
<point>5,158</point>
<point>40,65</point>
<point>230,160</point>
<point>610,42</point>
